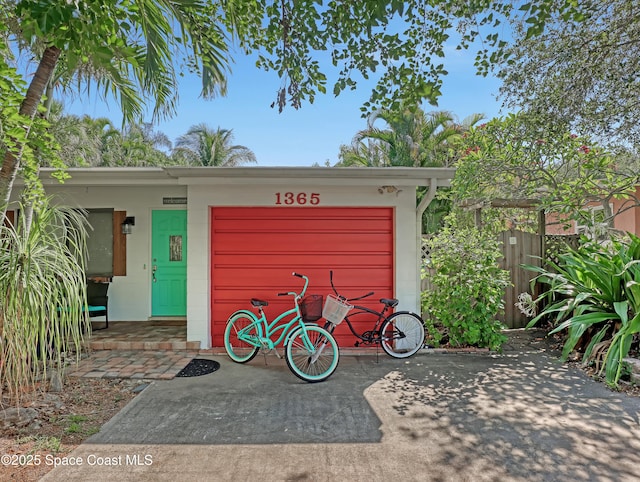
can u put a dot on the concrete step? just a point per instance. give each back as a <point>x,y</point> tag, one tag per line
<point>144,345</point>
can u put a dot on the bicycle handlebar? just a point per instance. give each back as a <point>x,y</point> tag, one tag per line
<point>347,299</point>
<point>304,289</point>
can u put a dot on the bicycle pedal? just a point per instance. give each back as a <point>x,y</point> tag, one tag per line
<point>356,344</point>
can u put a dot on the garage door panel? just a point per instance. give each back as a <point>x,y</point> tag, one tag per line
<point>364,260</point>
<point>261,213</point>
<point>276,280</point>
<point>255,250</point>
<point>314,226</point>
<point>311,243</point>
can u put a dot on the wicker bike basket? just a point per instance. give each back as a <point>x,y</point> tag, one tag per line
<point>311,308</point>
<point>335,309</point>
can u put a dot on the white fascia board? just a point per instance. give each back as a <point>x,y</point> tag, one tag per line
<point>346,176</point>
<point>313,175</point>
<point>110,176</point>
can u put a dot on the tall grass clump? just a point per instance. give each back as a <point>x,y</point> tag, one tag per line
<point>42,294</point>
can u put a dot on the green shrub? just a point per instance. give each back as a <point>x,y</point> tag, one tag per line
<point>466,291</point>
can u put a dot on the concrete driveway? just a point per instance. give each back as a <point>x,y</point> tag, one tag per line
<point>517,416</point>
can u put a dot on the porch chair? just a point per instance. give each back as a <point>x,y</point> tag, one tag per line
<point>98,301</point>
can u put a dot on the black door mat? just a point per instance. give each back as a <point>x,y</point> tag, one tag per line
<point>198,367</point>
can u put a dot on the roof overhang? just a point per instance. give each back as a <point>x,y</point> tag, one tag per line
<point>145,176</point>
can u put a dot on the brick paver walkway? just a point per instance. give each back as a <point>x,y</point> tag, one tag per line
<point>136,364</point>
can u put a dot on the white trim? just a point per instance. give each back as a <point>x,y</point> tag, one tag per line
<point>127,176</point>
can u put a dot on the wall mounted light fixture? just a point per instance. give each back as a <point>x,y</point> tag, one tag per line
<point>389,189</point>
<point>127,224</point>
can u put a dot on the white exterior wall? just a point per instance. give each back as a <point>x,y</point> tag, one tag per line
<point>139,191</point>
<point>202,197</point>
<point>130,295</point>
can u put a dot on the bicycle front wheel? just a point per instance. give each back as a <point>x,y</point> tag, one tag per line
<point>402,335</point>
<point>316,364</point>
<point>240,328</point>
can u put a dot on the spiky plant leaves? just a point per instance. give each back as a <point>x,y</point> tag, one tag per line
<point>42,294</point>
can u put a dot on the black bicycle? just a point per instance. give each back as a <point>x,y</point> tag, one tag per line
<point>401,334</point>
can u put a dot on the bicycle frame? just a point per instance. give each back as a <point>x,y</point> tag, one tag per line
<point>373,338</point>
<point>267,330</point>
<point>369,336</point>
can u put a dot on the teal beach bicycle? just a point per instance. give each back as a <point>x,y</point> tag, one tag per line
<point>311,352</point>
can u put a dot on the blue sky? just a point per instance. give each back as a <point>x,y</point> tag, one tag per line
<point>310,135</point>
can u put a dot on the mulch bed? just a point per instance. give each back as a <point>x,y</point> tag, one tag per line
<point>198,367</point>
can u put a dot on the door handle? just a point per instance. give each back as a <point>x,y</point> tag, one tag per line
<point>153,273</point>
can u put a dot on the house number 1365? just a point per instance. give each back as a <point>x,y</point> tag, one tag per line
<point>299,198</point>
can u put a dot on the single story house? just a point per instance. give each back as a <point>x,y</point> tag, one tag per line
<point>200,242</point>
<point>627,218</point>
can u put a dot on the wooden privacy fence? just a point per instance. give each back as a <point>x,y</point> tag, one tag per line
<point>520,248</point>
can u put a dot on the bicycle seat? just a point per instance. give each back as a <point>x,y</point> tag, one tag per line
<point>257,302</point>
<point>390,302</point>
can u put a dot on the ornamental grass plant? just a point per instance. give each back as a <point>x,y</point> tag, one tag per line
<point>42,294</point>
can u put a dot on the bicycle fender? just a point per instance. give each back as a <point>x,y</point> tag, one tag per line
<point>252,316</point>
<point>406,313</point>
<point>291,331</point>
<point>248,313</point>
<point>288,337</point>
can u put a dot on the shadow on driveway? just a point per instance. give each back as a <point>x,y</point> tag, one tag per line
<point>520,416</point>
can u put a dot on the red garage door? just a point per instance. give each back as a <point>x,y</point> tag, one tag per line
<point>254,250</point>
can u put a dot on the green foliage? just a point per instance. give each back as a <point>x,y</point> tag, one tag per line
<point>412,138</point>
<point>84,141</point>
<point>466,289</point>
<point>565,75</point>
<point>597,289</point>
<point>42,294</point>
<point>13,89</point>
<point>204,146</point>
<point>76,425</point>
<point>397,44</point>
<point>516,158</point>
<point>132,49</point>
<point>14,136</point>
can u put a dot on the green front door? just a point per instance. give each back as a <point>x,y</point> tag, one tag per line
<point>169,263</point>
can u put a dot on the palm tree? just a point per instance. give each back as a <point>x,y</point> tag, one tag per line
<point>125,48</point>
<point>401,138</point>
<point>414,138</point>
<point>136,145</point>
<point>82,139</point>
<point>85,141</point>
<point>363,154</point>
<point>204,146</point>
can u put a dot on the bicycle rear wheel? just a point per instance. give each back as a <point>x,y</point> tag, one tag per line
<point>312,365</point>
<point>237,348</point>
<point>402,334</point>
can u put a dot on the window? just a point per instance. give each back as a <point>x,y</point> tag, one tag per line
<point>598,226</point>
<point>8,220</point>
<point>106,245</point>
